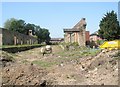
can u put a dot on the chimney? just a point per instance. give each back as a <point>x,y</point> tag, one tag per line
<point>30,33</point>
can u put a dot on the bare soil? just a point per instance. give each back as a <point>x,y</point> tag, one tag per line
<point>60,68</point>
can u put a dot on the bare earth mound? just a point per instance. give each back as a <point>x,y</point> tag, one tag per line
<point>31,68</point>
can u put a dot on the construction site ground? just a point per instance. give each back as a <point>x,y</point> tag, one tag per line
<point>73,67</point>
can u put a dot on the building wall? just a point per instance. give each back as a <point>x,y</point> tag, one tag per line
<point>67,37</point>
<point>77,33</point>
<point>15,38</point>
<point>80,37</point>
<point>95,38</point>
<point>87,36</point>
<point>56,40</point>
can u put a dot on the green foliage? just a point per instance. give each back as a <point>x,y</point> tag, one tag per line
<point>90,52</point>
<point>70,46</point>
<point>74,44</point>
<point>99,42</point>
<point>8,23</point>
<point>109,26</point>
<point>20,26</point>
<point>43,35</point>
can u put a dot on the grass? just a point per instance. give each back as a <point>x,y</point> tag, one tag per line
<point>67,56</point>
<point>80,52</point>
<point>44,64</point>
<point>90,52</point>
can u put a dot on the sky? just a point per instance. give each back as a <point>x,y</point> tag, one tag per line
<point>119,12</point>
<point>55,16</point>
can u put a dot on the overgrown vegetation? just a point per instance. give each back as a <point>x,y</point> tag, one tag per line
<point>99,42</point>
<point>70,46</point>
<point>77,50</point>
<point>67,56</point>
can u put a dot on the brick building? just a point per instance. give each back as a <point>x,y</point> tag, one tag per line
<point>8,37</point>
<point>56,40</point>
<point>77,33</point>
<point>94,37</point>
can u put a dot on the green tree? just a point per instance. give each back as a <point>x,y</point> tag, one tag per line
<point>15,25</point>
<point>43,35</point>
<point>109,27</point>
<point>7,24</point>
<point>21,27</point>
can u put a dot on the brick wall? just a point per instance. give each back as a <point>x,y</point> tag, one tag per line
<point>87,36</point>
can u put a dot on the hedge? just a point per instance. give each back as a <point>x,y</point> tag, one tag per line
<point>19,48</point>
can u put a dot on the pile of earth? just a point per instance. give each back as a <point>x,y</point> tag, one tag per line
<point>101,69</point>
<point>20,74</point>
<point>15,73</point>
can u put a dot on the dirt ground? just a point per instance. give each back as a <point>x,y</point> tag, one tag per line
<point>60,68</point>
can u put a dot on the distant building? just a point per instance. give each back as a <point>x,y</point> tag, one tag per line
<point>87,38</point>
<point>77,33</point>
<point>56,40</point>
<point>94,37</point>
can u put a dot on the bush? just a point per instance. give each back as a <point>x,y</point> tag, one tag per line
<point>92,43</point>
<point>70,46</point>
<point>74,44</point>
<point>99,42</point>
